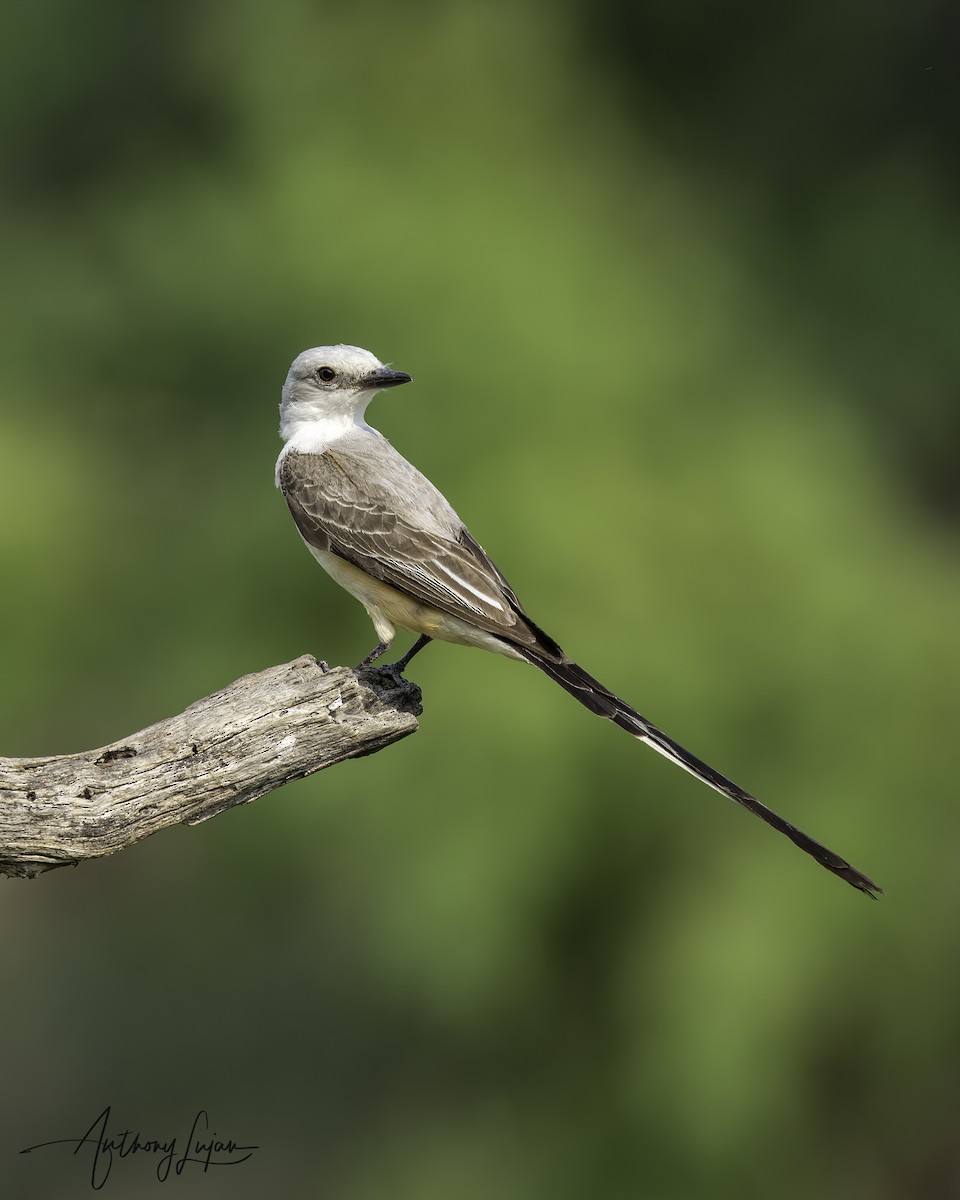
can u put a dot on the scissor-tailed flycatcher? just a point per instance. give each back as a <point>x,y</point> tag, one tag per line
<point>385,533</point>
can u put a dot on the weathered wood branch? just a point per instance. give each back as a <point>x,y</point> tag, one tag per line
<point>224,750</point>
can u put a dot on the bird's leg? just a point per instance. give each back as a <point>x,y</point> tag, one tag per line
<point>401,664</point>
<point>379,648</point>
<point>394,671</point>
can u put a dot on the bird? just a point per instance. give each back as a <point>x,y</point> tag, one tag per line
<point>391,539</point>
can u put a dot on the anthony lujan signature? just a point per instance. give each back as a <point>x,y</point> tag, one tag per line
<point>203,1147</point>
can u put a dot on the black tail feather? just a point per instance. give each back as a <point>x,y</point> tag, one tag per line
<point>593,695</point>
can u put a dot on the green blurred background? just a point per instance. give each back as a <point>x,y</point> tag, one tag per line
<point>678,288</point>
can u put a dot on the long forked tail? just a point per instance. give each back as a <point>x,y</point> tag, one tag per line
<point>598,699</point>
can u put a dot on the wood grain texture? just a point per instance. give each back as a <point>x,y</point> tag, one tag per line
<point>226,749</point>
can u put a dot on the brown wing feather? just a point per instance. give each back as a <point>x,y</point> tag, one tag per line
<point>362,526</point>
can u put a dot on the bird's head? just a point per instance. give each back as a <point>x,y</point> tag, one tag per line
<point>330,382</point>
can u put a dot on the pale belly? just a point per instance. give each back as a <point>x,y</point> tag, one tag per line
<point>390,610</point>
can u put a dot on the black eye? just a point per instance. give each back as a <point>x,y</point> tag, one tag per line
<point>326,374</point>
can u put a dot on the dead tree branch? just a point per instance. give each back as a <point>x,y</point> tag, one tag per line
<point>224,750</point>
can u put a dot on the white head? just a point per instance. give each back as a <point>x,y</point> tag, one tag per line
<point>332,385</point>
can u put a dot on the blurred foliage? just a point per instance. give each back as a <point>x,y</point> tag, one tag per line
<point>676,285</point>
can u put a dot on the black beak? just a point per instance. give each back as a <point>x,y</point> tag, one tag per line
<point>384,377</point>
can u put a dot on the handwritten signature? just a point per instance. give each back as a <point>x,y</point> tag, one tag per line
<point>200,1147</point>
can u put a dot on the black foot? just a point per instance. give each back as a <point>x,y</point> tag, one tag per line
<point>418,645</point>
<point>379,648</point>
<point>393,672</point>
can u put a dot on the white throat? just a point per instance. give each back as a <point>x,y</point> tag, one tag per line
<point>308,430</point>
